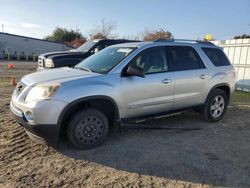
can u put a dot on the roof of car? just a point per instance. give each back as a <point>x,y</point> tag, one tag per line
<point>97,40</point>
<point>132,44</point>
<point>168,42</point>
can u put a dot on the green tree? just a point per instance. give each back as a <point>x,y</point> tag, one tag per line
<point>64,35</point>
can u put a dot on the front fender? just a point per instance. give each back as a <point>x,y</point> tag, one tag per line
<point>79,100</point>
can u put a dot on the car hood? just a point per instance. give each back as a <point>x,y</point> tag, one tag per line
<point>46,55</point>
<point>57,74</point>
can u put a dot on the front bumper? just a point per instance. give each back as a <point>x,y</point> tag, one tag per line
<point>43,133</point>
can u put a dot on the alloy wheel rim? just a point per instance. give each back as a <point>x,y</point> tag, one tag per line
<point>217,106</point>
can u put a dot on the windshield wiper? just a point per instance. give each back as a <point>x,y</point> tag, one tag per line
<point>83,68</point>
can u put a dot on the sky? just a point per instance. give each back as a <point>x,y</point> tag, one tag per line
<point>189,19</point>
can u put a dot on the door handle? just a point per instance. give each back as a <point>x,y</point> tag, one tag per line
<point>203,76</point>
<point>166,81</point>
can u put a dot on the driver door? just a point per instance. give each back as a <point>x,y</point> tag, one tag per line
<point>153,93</point>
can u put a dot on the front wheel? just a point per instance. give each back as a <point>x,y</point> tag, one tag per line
<point>87,129</point>
<point>216,106</point>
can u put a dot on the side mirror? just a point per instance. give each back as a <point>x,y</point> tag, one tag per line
<point>133,70</point>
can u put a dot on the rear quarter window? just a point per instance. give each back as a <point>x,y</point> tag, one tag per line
<point>217,56</point>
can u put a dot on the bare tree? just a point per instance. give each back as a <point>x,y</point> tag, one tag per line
<point>103,31</point>
<point>156,34</point>
<point>98,36</point>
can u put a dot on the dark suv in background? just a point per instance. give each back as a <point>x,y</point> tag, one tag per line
<point>72,57</point>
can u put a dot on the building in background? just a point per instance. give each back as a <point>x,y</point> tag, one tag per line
<point>16,46</point>
<point>238,52</point>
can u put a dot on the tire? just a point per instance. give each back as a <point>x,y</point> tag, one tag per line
<point>215,106</point>
<point>87,129</point>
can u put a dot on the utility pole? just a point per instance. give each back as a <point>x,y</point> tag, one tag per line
<point>77,30</point>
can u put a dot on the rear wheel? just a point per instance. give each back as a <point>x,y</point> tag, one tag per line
<point>87,129</point>
<point>215,106</point>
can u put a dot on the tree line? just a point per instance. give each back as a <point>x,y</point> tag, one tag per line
<point>106,31</point>
<point>103,31</point>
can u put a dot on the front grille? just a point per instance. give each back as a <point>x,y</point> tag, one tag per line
<point>41,62</point>
<point>19,88</point>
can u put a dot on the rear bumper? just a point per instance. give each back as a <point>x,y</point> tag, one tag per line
<point>45,134</point>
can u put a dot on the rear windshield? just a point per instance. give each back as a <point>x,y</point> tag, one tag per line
<point>86,46</point>
<point>217,56</point>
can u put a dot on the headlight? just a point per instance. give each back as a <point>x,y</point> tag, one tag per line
<point>49,63</point>
<point>42,92</point>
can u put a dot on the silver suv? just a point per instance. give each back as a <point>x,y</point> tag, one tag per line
<point>120,83</point>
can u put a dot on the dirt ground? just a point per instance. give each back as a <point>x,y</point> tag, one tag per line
<point>207,155</point>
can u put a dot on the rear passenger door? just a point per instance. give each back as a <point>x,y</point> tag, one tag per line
<point>190,75</point>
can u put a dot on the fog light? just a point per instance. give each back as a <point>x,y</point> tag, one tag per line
<point>29,116</point>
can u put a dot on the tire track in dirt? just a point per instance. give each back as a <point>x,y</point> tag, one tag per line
<point>18,135</point>
<point>18,151</point>
<point>18,145</point>
<point>17,130</point>
<point>27,153</point>
<point>19,142</point>
<point>16,142</point>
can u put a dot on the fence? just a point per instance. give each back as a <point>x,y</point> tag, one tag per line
<point>238,52</point>
<point>19,57</point>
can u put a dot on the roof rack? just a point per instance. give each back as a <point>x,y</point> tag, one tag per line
<point>184,40</point>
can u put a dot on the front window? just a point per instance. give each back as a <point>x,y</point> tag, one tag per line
<point>105,60</point>
<point>152,60</point>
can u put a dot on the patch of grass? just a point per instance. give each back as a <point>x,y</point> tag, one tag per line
<point>240,97</point>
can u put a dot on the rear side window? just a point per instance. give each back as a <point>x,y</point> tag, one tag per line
<point>217,56</point>
<point>183,58</point>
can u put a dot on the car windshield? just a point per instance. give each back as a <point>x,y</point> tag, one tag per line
<point>86,46</point>
<point>103,61</point>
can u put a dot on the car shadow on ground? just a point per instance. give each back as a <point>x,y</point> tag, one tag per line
<point>207,155</point>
